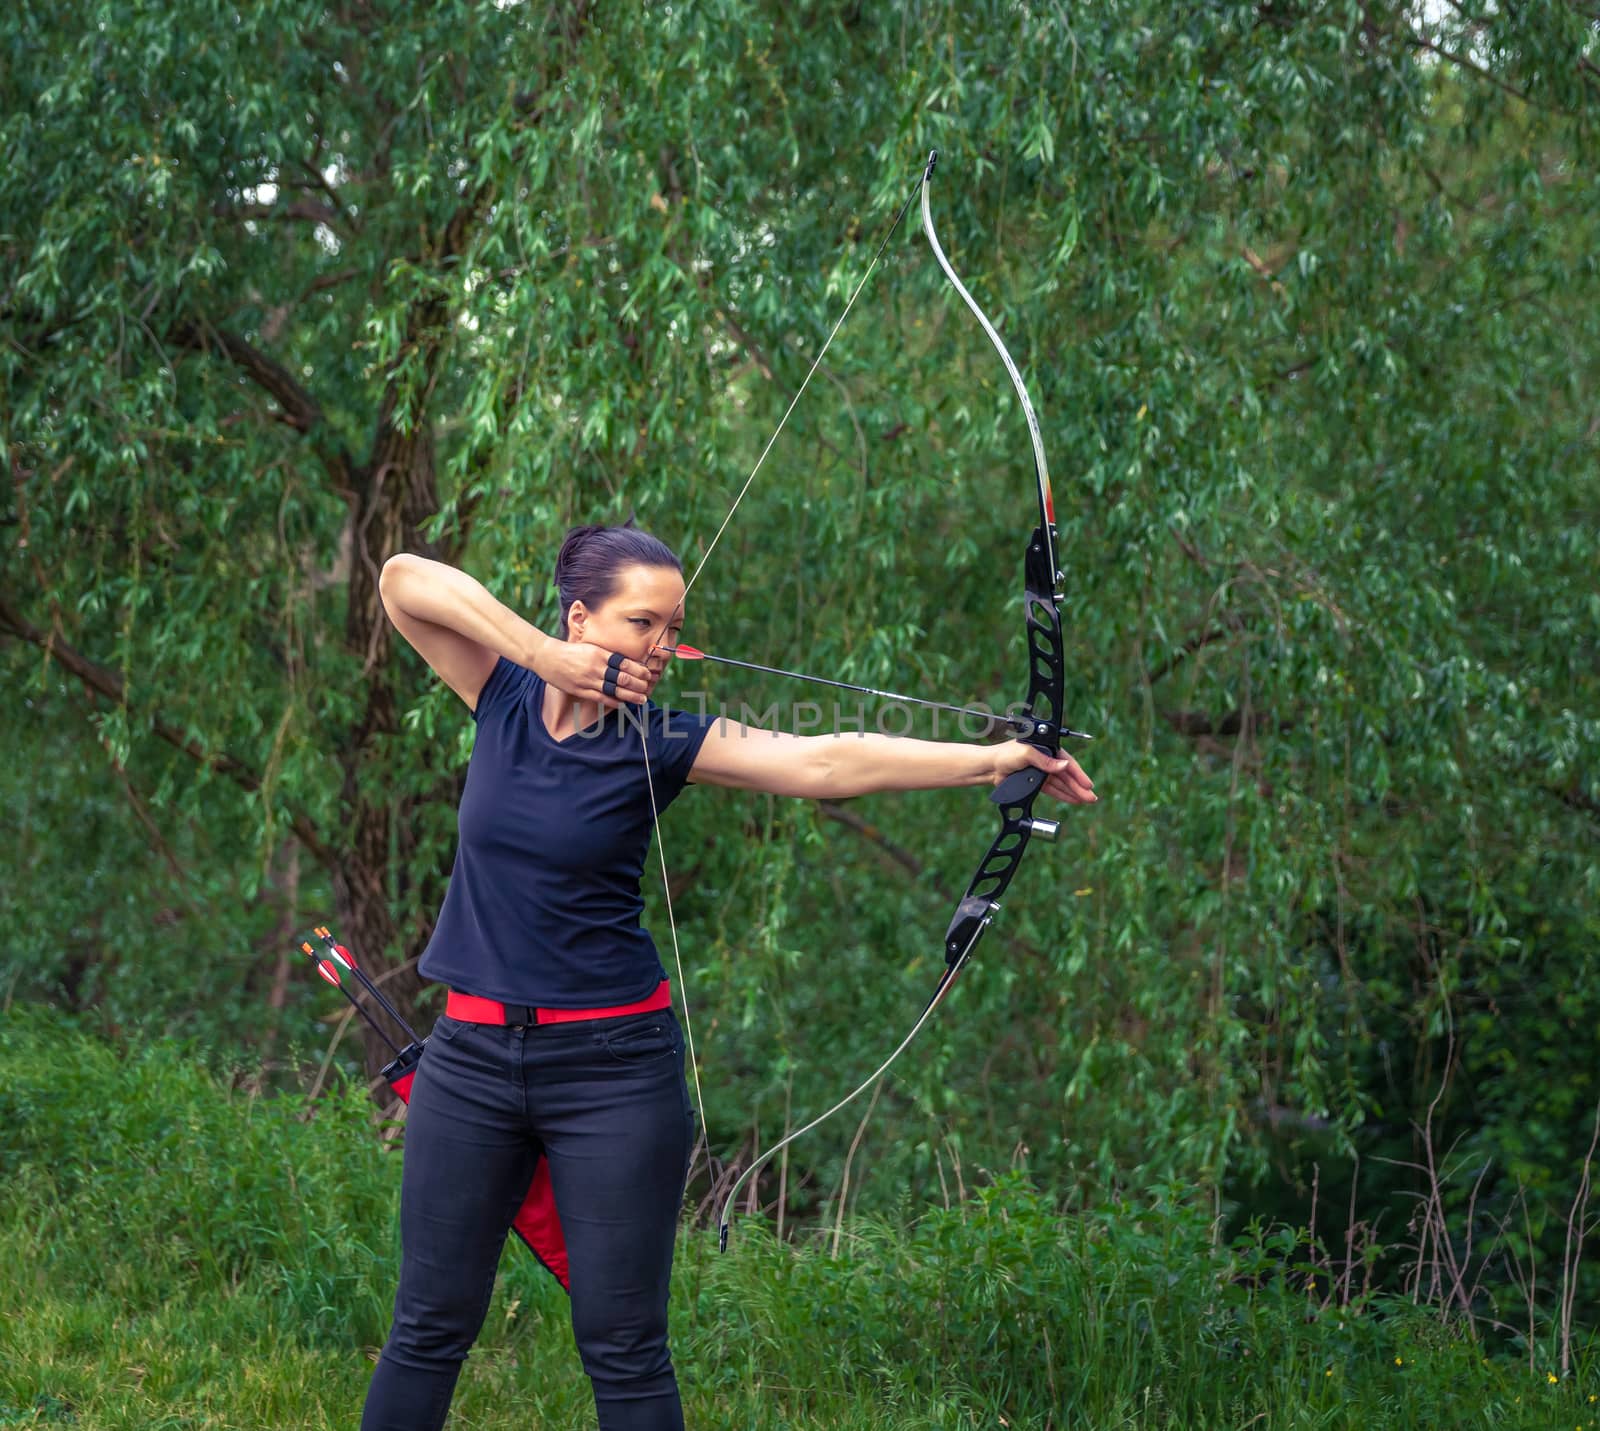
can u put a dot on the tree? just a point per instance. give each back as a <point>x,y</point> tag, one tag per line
<point>1307,297</point>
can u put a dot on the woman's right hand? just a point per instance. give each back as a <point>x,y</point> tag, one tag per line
<point>580,669</point>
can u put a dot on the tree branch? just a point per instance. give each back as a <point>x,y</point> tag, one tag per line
<point>1189,647</point>
<point>870,832</point>
<point>108,684</point>
<point>299,409</point>
<point>335,201</point>
<point>1573,797</point>
<point>1461,61</point>
<point>300,211</point>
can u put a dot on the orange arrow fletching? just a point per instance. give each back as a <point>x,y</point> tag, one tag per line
<point>340,955</point>
<point>688,653</point>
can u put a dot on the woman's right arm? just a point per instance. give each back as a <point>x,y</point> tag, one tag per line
<point>460,630</point>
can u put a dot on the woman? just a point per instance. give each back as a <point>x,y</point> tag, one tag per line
<point>558,1054</point>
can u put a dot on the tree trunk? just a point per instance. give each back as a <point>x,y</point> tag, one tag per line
<point>399,494</point>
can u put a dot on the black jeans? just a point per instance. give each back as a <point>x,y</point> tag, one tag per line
<point>605,1101</point>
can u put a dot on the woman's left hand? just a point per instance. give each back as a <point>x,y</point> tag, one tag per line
<point>1066,780</point>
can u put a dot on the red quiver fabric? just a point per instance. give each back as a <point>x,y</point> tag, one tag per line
<point>537,1222</point>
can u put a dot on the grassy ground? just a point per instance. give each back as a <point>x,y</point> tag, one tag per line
<point>179,1253</point>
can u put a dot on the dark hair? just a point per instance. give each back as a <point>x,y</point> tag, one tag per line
<point>591,561</point>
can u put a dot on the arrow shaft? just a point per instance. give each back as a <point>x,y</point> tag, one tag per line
<point>377,1028</point>
<point>996,716</point>
<point>330,975</point>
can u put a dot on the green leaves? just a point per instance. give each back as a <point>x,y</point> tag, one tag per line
<point>1305,305</point>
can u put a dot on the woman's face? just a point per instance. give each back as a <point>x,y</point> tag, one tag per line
<point>645,611</point>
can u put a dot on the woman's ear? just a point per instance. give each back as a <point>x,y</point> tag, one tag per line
<point>577,617</point>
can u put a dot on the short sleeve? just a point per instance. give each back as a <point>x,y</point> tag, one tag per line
<point>507,684</point>
<point>675,740</point>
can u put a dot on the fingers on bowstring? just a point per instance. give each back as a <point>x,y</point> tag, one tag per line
<point>633,681</point>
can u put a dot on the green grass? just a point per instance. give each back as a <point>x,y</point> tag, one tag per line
<point>178,1253</point>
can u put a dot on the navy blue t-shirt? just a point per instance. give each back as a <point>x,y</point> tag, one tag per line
<point>543,906</point>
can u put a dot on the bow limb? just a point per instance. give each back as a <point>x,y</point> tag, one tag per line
<point>1041,469</point>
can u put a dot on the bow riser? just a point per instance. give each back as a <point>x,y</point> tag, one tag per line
<point>1047,656</point>
<point>1015,796</point>
<point>1016,793</point>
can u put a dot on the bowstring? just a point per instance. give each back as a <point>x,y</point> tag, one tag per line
<point>677,956</point>
<point>816,363</point>
<point>946,983</point>
<point>700,566</point>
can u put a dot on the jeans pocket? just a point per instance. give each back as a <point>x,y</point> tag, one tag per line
<point>447,1029</point>
<point>644,1041</point>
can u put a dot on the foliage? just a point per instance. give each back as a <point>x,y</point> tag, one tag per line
<point>138,918</point>
<point>191,1181</point>
<point>186,1252</point>
<point>1308,299</point>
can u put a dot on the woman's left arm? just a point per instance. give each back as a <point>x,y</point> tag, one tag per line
<point>833,767</point>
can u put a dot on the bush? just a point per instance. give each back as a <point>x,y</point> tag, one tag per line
<point>144,1176</point>
<point>148,1197</point>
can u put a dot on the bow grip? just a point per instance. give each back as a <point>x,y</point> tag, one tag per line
<point>1018,787</point>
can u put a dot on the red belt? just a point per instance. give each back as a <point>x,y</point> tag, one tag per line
<point>470,1009</point>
